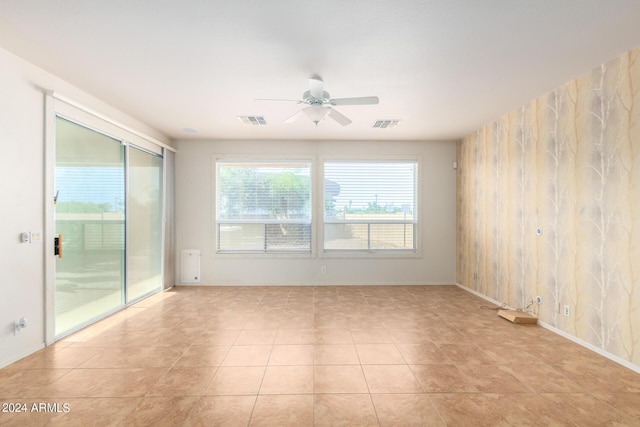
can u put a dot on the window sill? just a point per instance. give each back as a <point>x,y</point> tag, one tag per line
<point>364,254</point>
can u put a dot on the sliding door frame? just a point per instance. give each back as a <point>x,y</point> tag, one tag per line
<point>56,106</point>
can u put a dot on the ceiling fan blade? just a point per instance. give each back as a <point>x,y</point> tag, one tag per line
<point>338,117</point>
<point>297,101</point>
<point>363,100</point>
<point>295,117</point>
<point>316,87</point>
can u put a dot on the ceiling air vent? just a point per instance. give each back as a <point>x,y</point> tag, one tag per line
<point>383,124</point>
<point>253,120</point>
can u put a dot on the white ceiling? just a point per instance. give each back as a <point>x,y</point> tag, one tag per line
<point>445,67</point>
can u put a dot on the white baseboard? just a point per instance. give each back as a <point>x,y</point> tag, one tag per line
<point>564,334</point>
<point>8,362</point>
<point>484,297</point>
<point>591,347</point>
<point>319,284</point>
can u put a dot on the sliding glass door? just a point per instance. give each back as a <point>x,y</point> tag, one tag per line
<point>109,223</point>
<point>144,224</point>
<point>90,223</point>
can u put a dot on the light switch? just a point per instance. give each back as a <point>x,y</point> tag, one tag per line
<point>35,236</point>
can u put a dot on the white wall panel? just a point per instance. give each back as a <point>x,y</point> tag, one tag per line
<point>195,210</point>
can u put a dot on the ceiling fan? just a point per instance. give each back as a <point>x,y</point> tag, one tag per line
<point>319,103</point>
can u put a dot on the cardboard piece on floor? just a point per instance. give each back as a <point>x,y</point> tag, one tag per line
<point>517,316</point>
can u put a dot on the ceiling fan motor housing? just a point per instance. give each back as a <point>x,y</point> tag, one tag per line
<point>309,99</point>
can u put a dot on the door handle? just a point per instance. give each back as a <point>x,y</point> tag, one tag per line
<point>57,246</point>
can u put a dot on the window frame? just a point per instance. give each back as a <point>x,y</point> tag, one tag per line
<point>416,252</point>
<point>266,159</point>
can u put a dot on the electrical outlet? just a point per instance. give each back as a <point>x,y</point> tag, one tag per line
<point>567,310</point>
<point>323,269</point>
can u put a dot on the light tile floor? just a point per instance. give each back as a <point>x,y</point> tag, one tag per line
<point>325,356</point>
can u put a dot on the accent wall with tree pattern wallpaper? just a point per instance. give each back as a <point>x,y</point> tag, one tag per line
<point>569,164</point>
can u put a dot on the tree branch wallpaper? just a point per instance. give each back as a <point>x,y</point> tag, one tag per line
<point>567,163</point>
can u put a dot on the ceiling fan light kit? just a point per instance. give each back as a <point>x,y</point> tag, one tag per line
<point>319,104</point>
<point>316,113</point>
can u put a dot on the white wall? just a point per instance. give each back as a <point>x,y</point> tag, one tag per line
<point>195,217</point>
<point>22,178</point>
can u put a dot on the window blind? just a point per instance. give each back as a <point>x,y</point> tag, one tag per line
<point>263,206</point>
<point>370,205</point>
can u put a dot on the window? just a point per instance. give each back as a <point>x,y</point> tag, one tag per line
<point>370,205</point>
<point>263,206</point>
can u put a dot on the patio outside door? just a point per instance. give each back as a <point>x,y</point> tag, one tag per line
<point>90,219</point>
